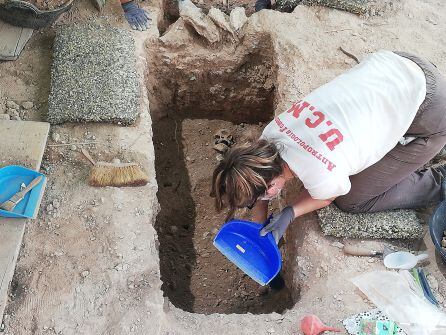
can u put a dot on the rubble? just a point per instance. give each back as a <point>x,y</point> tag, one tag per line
<point>202,24</point>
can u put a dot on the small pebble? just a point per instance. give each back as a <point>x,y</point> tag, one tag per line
<point>55,137</point>
<point>85,273</point>
<point>13,112</point>
<point>11,104</point>
<point>27,105</point>
<point>433,282</point>
<point>337,244</point>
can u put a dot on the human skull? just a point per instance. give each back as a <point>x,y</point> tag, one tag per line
<point>224,136</point>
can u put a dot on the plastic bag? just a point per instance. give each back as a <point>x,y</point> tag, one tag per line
<point>391,293</point>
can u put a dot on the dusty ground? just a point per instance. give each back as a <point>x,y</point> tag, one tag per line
<point>89,263</point>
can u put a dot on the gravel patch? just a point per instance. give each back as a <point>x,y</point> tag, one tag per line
<point>389,224</point>
<point>370,7</point>
<point>93,76</point>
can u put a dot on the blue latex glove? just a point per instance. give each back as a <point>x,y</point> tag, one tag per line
<point>137,17</point>
<point>279,223</point>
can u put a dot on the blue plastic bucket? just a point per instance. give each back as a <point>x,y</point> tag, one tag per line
<point>437,225</point>
<point>257,256</point>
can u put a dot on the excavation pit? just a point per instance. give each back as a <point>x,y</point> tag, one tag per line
<point>193,95</point>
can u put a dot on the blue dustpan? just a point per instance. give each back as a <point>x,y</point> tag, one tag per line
<point>11,177</point>
<point>257,256</point>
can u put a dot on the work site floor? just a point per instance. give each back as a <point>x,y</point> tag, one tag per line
<point>90,264</point>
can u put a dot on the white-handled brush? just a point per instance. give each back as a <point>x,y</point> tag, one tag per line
<point>10,204</point>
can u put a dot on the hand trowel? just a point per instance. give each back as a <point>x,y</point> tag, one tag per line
<point>369,252</point>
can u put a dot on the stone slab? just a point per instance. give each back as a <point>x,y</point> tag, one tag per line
<point>22,143</point>
<point>93,76</point>
<point>353,6</point>
<point>12,40</point>
<point>389,224</point>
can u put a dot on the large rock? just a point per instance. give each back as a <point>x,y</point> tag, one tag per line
<point>222,21</point>
<point>93,76</point>
<point>202,24</point>
<point>238,18</point>
<point>389,224</point>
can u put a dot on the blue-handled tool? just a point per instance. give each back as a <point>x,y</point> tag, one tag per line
<point>257,256</point>
<point>426,288</point>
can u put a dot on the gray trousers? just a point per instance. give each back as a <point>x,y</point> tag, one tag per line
<point>396,181</point>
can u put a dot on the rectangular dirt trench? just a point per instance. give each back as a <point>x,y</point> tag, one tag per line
<point>196,277</point>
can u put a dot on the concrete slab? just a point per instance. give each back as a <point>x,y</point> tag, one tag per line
<point>12,40</point>
<point>389,224</point>
<point>22,143</point>
<point>93,76</point>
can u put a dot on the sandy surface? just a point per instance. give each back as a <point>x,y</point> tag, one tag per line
<point>89,264</point>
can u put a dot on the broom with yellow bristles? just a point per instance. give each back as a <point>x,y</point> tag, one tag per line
<point>115,174</point>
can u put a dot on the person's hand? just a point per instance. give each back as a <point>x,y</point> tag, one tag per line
<point>279,223</point>
<point>137,17</point>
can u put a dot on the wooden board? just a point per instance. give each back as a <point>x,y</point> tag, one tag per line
<point>12,40</point>
<point>21,143</point>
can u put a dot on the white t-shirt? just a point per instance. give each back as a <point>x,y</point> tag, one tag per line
<point>350,123</point>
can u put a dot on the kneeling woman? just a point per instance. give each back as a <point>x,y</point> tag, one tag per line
<point>358,140</point>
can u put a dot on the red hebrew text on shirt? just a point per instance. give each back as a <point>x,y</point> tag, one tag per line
<point>317,118</point>
<point>307,148</point>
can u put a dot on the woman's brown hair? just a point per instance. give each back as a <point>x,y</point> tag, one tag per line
<point>244,174</point>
